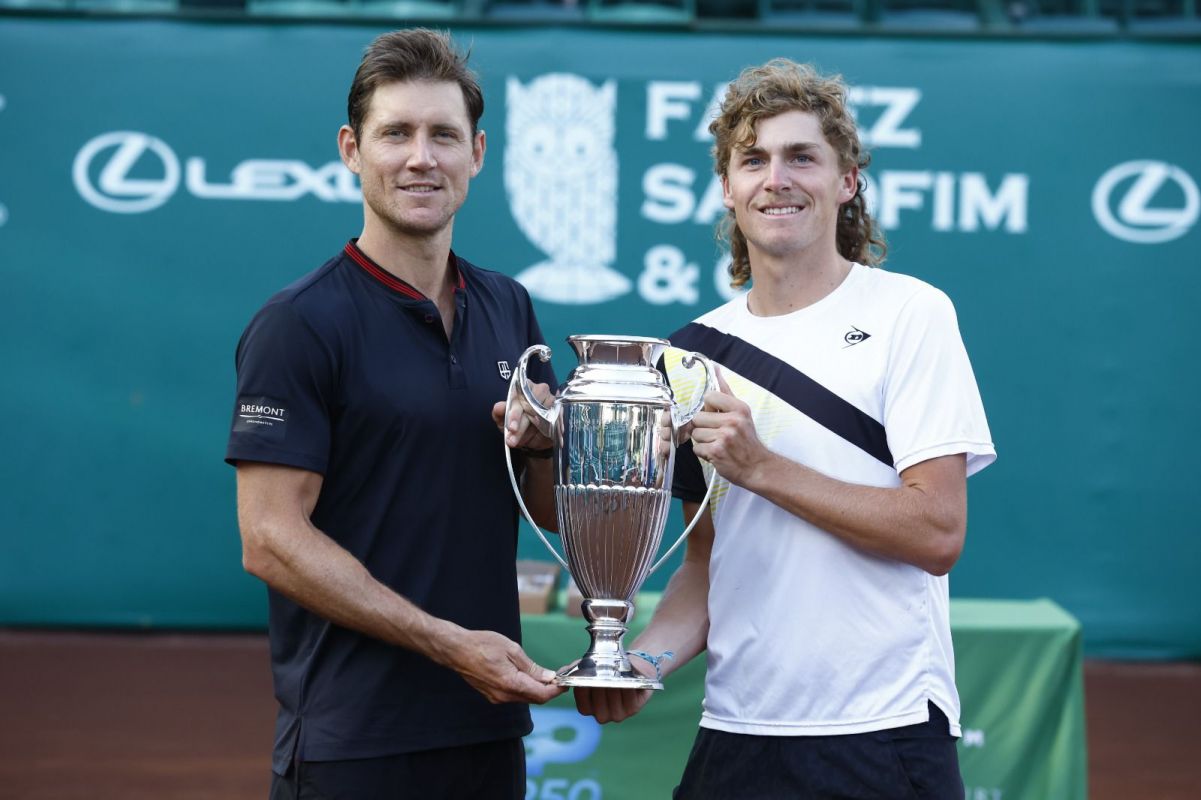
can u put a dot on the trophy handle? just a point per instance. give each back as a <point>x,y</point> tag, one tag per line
<point>683,418</point>
<point>695,519</point>
<point>519,382</point>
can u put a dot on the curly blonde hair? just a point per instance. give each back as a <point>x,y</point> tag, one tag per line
<point>779,86</point>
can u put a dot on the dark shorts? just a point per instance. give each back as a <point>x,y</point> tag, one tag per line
<point>916,761</point>
<point>488,770</point>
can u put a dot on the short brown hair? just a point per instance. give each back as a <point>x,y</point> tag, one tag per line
<point>416,54</point>
<point>775,88</point>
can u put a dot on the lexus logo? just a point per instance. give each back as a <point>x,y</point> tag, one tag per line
<point>126,154</point>
<point>1129,189</point>
<point>114,190</point>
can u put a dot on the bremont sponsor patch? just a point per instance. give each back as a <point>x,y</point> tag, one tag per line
<point>265,416</point>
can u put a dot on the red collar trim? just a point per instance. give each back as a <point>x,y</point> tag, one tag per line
<point>388,279</point>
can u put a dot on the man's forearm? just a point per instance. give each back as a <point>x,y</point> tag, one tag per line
<point>315,572</point>
<point>538,491</point>
<point>681,620</point>
<point>920,522</point>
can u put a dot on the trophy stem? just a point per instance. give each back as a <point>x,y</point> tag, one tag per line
<point>606,664</point>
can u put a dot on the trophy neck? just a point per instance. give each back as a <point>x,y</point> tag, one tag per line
<point>617,351</point>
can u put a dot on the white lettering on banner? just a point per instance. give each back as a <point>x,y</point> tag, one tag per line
<point>1008,205</point>
<point>701,134</point>
<point>667,100</point>
<point>669,198</point>
<point>668,189</point>
<point>898,103</point>
<point>562,789</point>
<point>1136,220</point>
<point>900,190</point>
<point>712,203</point>
<point>273,179</point>
<point>973,737</point>
<point>253,179</point>
<point>894,191</point>
<point>677,100</point>
<point>944,205</point>
<point>721,279</point>
<point>667,278</point>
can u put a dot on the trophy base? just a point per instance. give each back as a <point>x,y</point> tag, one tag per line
<point>579,675</point>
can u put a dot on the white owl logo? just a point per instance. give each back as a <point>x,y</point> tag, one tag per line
<point>561,179</point>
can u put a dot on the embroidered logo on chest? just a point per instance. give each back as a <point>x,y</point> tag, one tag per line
<point>855,336</point>
<point>503,368</point>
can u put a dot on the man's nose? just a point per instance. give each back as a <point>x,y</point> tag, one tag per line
<point>422,154</point>
<point>778,178</point>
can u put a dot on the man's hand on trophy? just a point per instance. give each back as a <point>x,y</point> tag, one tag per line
<point>665,440</point>
<point>500,670</point>
<point>614,705</point>
<point>723,434</point>
<point>522,429</point>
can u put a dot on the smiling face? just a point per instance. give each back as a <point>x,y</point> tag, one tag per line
<point>415,157</point>
<point>786,189</point>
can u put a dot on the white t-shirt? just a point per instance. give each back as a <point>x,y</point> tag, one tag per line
<point>809,635</point>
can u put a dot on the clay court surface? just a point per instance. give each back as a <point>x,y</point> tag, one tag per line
<point>183,717</point>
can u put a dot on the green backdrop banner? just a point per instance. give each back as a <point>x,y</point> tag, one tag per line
<point>159,180</point>
<point>1017,664</point>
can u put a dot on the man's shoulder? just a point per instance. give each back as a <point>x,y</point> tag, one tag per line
<point>316,298</point>
<point>718,318</point>
<point>314,283</point>
<point>491,282</point>
<point>897,287</point>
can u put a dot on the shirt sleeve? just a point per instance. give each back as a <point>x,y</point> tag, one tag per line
<point>688,482</point>
<point>932,405</point>
<point>285,386</point>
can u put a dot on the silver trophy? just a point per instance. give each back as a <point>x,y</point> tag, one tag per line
<point>614,425</point>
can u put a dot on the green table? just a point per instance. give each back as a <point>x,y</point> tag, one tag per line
<point>1018,667</point>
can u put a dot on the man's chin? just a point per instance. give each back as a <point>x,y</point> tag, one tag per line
<point>420,226</point>
<point>779,246</point>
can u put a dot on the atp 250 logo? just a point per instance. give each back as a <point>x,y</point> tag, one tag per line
<point>1146,202</point>
<point>560,736</point>
<point>128,172</point>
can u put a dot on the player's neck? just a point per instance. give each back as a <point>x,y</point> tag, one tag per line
<point>422,262</point>
<point>783,285</point>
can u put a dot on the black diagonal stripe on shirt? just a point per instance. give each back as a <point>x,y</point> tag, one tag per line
<point>790,385</point>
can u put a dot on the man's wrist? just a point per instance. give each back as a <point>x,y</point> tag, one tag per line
<point>443,641</point>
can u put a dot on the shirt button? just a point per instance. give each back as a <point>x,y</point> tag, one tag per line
<point>454,360</point>
<point>429,318</point>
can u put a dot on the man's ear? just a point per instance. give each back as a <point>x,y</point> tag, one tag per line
<point>850,185</point>
<point>348,148</point>
<point>478,146</point>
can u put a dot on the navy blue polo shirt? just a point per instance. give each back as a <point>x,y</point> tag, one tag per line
<point>348,373</point>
